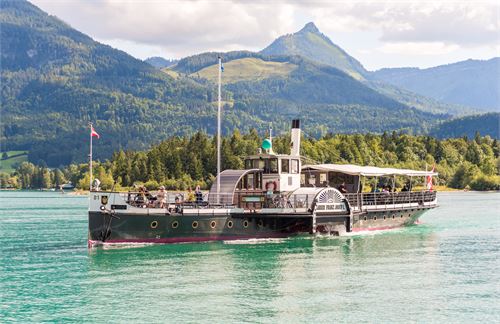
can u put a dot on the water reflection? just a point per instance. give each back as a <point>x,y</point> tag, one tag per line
<point>269,280</point>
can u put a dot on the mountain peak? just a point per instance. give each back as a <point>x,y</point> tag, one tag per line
<point>310,43</point>
<point>309,27</point>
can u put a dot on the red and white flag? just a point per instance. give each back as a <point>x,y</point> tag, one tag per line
<point>429,179</point>
<point>93,133</point>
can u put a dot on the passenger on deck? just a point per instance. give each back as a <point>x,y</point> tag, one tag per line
<point>140,199</point>
<point>198,194</point>
<point>161,197</point>
<point>342,188</point>
<point>178,203</point>
<point>190,195</point>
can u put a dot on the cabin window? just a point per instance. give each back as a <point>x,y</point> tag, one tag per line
<point>271,166</point>
<point>285,166</point>
<point>322,179</point>
<point>295,166</point>
<point>259,164</point>
<point>250,183</point>
<point>248,164</point>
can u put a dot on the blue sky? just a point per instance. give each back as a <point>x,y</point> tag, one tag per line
<point>378,34</point>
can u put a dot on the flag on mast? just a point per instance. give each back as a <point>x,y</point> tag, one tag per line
<point>93,133</point>
<point>429,179</point>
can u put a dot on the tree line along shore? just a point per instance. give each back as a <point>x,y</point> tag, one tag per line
<point>179,163</point>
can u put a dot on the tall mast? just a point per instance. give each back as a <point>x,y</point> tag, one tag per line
<point>218,130</point>
<point>90,158</point>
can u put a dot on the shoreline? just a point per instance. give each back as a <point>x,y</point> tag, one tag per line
<point>86,192</point>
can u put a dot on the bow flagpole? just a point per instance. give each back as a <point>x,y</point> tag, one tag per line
<point>92,134</point>
<point>90,157</point>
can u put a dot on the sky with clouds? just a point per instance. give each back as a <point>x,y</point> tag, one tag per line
<point>377,33</point>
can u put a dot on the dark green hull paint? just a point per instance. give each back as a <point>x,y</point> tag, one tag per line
<point>162,228</point>
<point>103,228</point>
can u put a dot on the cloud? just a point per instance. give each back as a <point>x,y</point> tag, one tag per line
<point>460,23</point>
<point>180,26</point>
<point>186,27</point>
<point>414,48</point>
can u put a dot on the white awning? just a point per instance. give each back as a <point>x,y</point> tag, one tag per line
<point>369,171</point>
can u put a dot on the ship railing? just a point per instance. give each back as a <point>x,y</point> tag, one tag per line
<point>260,199</point>
<point>136,199</point>
<point>389,199</point>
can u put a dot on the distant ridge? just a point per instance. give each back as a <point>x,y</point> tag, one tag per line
<point>485,124</point>
<point>160,62</point>
<point>473,83</point>
<point>310,43</point>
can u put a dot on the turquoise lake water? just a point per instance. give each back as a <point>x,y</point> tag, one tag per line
<point>446,269</point>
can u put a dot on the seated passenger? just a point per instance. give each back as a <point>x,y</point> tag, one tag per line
<point>190,195</point>
<point>140,198</point>
<point>342,188</point>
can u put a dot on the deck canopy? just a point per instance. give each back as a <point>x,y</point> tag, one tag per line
<point>367,171</point>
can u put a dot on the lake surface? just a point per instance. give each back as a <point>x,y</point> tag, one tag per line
<point>446,269</point>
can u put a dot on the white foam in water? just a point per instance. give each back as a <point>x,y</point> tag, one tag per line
<point>255,241</point>
<point>111,246</point>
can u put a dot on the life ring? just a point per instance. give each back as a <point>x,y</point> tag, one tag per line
<point>273,183</point>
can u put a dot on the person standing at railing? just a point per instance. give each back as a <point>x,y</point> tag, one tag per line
<point>198,194</point>
<point>161,197</point>
<point>342,188</point>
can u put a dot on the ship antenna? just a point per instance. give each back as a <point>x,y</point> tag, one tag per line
<point>271,137</point>
<point>218,129</point>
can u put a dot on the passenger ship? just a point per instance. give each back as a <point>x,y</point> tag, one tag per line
<point>275,196</point>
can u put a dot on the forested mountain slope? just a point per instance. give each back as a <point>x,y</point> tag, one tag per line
<point>55,80</point>
<point>485,124</point>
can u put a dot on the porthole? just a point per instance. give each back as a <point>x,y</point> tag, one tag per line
<point>195,224</point>
<point>245,223</point>
<point>175,224</point>
<point>154,224</point>
<point>213,224</point>
<point>364,218</point>
<point>260,223</point>
<point>374,217</point>
<point>229,224</point>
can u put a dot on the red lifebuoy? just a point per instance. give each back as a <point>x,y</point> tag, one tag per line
<point>273,183</point>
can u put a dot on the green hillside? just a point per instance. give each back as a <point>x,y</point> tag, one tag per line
<point>310,43</point>
<point>246,69</point>
<point>12,159</point>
